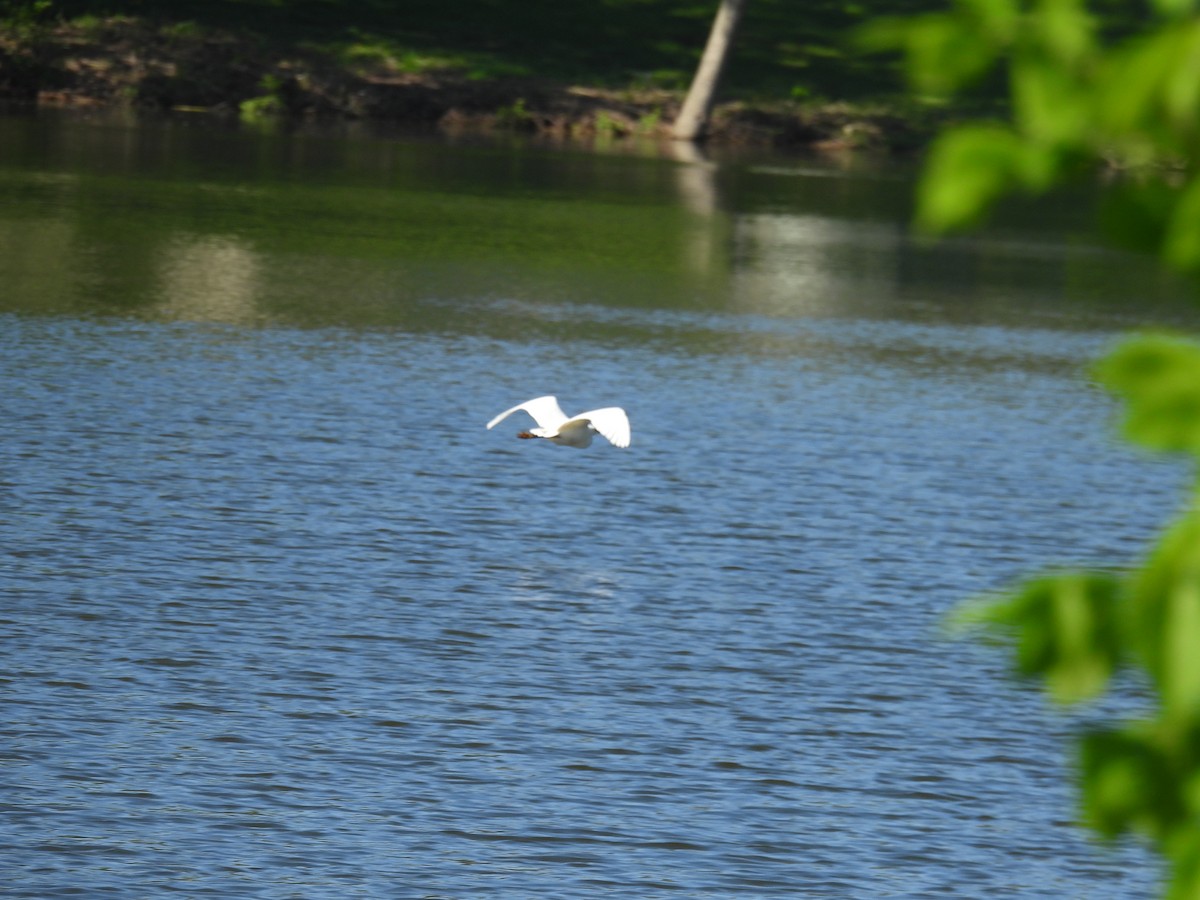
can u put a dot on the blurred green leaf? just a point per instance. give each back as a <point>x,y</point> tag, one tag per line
<point>1000,19</point>
<point>971,167</point>
<point>1166,616</point>
<point>1183,847</point>
<point>945,52</point>
<point>1049,105</point>
<point>1132,75</point>
<point>1127,782</point>
<point>1181,243</point>
<point>1148,91</point>
<point>1181,87</point>
<point>1134,215</point>
<point>968,169</point>
<point>1132,780</point>
<point>1066,29</point>
<point>1174,7</point>
<point>1065,629</point>
<point>1134,102</point>
<point>944,56</point>
<point>1159,378</point>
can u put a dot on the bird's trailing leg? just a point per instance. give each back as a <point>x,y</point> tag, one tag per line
<point>526,434</point>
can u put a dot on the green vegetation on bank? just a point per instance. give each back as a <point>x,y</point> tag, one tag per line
<point>784,48</point>
<point>796,74</point>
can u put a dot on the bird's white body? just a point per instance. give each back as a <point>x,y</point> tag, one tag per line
<point>571,431</point>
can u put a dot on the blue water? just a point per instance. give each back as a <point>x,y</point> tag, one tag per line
<point>283,620</point>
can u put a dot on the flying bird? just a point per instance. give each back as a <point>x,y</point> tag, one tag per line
<point>571,431</point>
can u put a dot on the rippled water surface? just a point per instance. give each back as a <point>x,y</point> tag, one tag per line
<point>282,619</point>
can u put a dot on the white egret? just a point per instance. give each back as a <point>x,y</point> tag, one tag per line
<point>571,431</point>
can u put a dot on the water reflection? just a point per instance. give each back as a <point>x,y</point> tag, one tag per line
<point>33,258</point>
<point>192,224</point>
<point>206,278</point>
<point>788,264</point>
<point>699,195</point>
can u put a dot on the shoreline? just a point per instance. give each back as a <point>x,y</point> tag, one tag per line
<point>124,62</point>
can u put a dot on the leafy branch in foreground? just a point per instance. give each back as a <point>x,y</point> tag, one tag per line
<point>1132,105</point>
<point>1076,630</point>
<point>1076,101</point>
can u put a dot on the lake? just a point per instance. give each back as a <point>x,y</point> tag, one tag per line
<point>283,619</point>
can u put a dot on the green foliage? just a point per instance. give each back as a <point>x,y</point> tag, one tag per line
<point>1064,627</point>
<point>1159,376</point>
<point>26,18</point>
<point>516,116</point>
<point>606,126</point>
<point>1075,101</point>
<point>947,51</point>
<point>602,43</point>
<point>1076,630</point>
<point>184,30</point>
<point>1078,103</point>
<point>650,122</point>
<point>267,107</point>
<point>25,26</point>
<point>259,109</point>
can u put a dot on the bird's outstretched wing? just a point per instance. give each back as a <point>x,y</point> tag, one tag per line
<point>610,422</point>
<point>545,411</point>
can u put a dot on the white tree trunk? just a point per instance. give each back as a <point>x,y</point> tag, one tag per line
<point>693,117</point>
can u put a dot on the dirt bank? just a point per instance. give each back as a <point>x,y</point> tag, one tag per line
<point>163,67</point>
